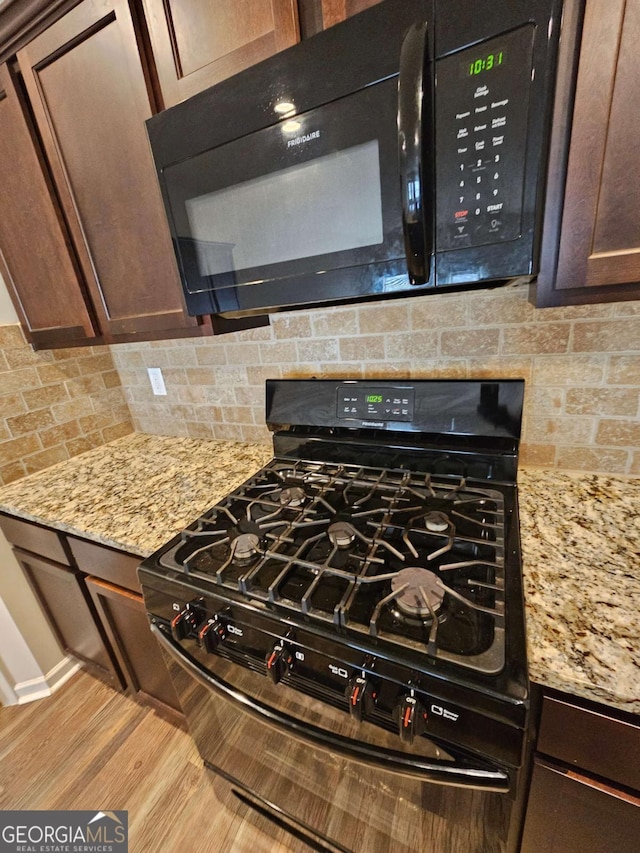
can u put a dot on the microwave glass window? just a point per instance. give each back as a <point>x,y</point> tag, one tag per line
<point>330,204</point>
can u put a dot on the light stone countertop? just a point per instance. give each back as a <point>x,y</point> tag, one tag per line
<point>580,542</point>
<point>580,536</point>
<point>137,492</point>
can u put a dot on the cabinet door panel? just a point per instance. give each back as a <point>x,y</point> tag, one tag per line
<point>61,594</point>
<point>89,96</point>
<point>316,15</point>
<point>197,43</point>
<point>617,227</point>
<point>124,617</point>
<point>39,268</point>
<point>599,250</point>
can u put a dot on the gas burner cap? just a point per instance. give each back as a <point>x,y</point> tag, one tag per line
<point>245,547</point>
<point>410,601</point>
<point>341,534</point>
<point>436,522</point>
<point>293,496</point>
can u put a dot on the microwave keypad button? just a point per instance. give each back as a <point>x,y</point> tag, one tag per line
<point>481,121</point>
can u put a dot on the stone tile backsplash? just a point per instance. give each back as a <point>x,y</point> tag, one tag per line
<point>55,404</point>
<point>581,366</point>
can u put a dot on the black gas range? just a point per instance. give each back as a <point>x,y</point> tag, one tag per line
<point>361,594</point>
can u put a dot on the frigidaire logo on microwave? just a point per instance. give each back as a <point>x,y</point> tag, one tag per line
<point>307,137</point>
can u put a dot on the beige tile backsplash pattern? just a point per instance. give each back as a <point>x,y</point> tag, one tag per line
<point>55,404</point>
<point>581,366</point>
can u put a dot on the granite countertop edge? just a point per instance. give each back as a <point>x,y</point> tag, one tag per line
<point>579,535</point>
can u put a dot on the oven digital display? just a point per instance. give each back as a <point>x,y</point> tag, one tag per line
<point>375,404</point>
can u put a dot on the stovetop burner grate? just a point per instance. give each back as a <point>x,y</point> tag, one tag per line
<point>336,543</point>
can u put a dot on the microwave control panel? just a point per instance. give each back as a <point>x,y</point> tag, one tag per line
<point>482,110</point>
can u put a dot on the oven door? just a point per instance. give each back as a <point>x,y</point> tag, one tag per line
<point>294,213</point>
<point>352,785</point>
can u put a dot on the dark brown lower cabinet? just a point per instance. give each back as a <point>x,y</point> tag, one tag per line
<point>91,597</point>
<point>124,618</point>
<point>572,813</point>
<point>585,787</point>
<point>62,594</point>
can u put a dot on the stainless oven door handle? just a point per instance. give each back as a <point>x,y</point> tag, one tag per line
<point>463,774</point>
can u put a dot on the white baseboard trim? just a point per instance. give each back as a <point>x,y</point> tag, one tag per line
<point>62,672</point>
<point>39,688</point>
<point>7,693</point>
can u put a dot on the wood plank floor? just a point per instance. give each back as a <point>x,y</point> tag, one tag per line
<point>88,747</point>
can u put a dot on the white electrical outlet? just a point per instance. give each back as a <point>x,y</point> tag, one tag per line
<point>157,381</point>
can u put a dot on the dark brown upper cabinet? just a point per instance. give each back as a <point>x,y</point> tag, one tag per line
<point>197,43</point>
<point>597,210</point>
<point>87,88</point>
<point>317,15</point>
<point>35,258</point>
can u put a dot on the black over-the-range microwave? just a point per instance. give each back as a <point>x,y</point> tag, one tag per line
<point>399,152</point>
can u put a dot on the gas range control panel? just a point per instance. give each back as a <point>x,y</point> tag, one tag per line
<point>375,403</point>
<point>368,688</point>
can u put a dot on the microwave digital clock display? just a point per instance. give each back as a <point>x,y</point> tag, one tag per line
<point>487,62</point>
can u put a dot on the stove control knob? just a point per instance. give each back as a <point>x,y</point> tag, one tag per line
<point>278,661</point>
<point>211,634</point>
<point>411,717</point>
<point>185,624</point>
<point>361,696</point>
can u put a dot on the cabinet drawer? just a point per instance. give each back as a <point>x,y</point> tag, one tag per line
<point>571,813</point>
<point>106,563</point>
<point>591,741</point>
<point>32,537</point>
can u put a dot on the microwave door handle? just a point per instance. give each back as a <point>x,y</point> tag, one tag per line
<point>460,775</point>
<point>415,94</point>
